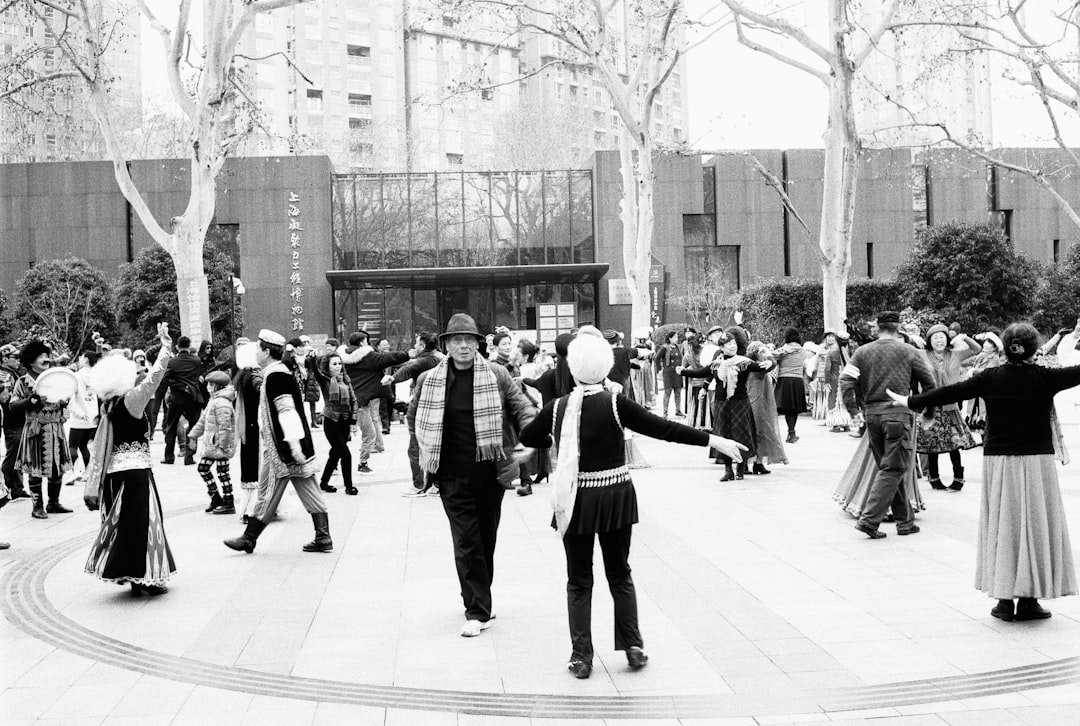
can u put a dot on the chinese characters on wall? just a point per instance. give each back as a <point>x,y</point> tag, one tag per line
<point>296,281</point>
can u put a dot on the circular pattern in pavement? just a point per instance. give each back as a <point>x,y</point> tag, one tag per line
<point>23,602</point>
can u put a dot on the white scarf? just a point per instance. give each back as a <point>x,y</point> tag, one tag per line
<point>564,480</point>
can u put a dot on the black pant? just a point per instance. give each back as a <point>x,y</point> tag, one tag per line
<point>79,440</point>
<point>615,547</point>
<point>473,505</point>
<point>337,433</point>
<point>12,478</point>
<point>893,449</point>
<point>179,406</point>
<point>414,461</point>
<point>954,457</point>
<point>154,407</point>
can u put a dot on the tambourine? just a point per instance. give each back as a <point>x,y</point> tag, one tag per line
<point>56,384</point>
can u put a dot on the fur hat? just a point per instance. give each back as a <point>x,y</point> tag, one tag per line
<point>245,355</point>
<point>218,378</point>
<point>995,339</point>
<point>31,351</point>
<point>139,352</point>
<point>590,358</point>
<point>112,376</point>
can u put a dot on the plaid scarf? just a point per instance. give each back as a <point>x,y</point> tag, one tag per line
<point>487,414</point>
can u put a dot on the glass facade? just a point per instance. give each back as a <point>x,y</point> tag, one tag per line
<point>459,219</point>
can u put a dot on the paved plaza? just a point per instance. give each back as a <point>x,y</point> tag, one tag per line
<point>760,604</point>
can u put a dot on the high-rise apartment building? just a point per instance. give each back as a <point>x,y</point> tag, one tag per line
<point>49,121</point>
<point>387,85</point>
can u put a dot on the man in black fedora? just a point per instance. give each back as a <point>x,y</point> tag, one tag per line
<point>875,368</point>
<point>466,414</point>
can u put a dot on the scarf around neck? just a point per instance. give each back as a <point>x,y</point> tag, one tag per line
<point>337,389</point>
<point>564,480</point>
<point>487,414</point>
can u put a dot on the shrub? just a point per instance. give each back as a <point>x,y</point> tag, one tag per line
<point>969,268</point>
<point>1057,296</point>
<point>773,305</point>
<point>65,301</point>
<point>146,295</point>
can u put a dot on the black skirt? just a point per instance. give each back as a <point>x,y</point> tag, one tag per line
<point>790,396</point>
<point>734,419</point>
<point>603,509</point>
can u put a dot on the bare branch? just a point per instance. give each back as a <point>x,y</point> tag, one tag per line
<point>752,45</point>
<point>876,34</point>
<point>784,28</point>
<point>37,80</point>
<point>284,55</point>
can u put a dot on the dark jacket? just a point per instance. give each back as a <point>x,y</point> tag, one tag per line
<point>11,419</point>
<point>364,366</point>
<point>413,368</point>
<point>182,376</point>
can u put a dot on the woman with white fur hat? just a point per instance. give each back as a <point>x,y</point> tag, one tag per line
<point>131,547</point>
<point>593,494</point>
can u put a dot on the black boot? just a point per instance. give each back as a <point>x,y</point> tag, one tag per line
<point>759,468</point>
<point>215,501</point>
<point>327,487</point>
<point>38,512</point>
<point>55,507</point>
<point>958,479</point>
<point>322,541</point>
<point>728,473</point>
<point>227,506</point>
<point>246,541</point>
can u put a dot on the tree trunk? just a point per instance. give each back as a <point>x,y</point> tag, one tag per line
<point>842,152</point>
<point>637,216</point>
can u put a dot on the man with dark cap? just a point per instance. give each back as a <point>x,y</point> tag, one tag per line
<point>183,379</point>
<point>12,422</point>
<point>465,413</point>
<point>874,369</point>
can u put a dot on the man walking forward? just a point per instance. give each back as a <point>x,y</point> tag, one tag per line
<point>288,451</point>
<point>886,363</point>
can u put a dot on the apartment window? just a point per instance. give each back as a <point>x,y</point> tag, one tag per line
<point>1057,251</point>
<point>359,55</point>
<point>598,118</point>
<point>598,137</point>
<point>449,21</point>
<point>455,159</point>
<point>558,90</point>
<point>360,102</point>
<point>314,101</point>
<point>361,124</point>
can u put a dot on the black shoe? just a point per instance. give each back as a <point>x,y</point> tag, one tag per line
<point>152,590</point>
<point>57,508</point>
<point>1004,610</point>
<point>188,461</point>
<point>912,529</point>
<point>1028,608</point>
<point>935,483</point>
<point>168,460</point>
<point>957,485</point>
<point>246,541</point>
<point>791,437</point>
<point>39,513</point>
<point>215,502</point>
<point>759,469</point>
<point>580,669</point>
<point>728,475</point>
<point>352,490</point>
<point>524,490</point>
<point>21,494</point>
<point>636,657</point>
<point>386,431</point>
<point>871,532</point>
<point>322,541</point>
<point>328,488</point>
<point>227,507</point>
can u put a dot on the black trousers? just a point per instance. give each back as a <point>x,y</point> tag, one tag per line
<point>179,406</point>
<point>615,548</point>
<point>337,433</point>
<point>473,504</point>
<point>13,479</point>
<point>80,440</point>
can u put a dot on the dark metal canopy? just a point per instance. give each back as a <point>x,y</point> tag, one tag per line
<point>435,277</point>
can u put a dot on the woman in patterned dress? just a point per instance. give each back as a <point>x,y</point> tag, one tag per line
<point>131,547</point>
<point>949,434</point>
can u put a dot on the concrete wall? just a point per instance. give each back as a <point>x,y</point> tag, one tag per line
<point>57,210</point>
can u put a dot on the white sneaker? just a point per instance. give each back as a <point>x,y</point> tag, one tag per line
<point>473,628</point>
<point>432,492</point>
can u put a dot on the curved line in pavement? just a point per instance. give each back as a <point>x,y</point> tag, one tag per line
<point>24,603</point>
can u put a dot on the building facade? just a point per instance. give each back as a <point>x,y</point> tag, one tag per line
<point>327,253</point>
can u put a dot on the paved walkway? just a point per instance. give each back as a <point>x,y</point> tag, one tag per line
<point>759,603</point>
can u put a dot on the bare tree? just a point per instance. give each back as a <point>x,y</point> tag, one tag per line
<point>835,63</point>
<point>707,297</point>
<point>205,85</point>
<point>632,49</point>
<point>1035,46</point>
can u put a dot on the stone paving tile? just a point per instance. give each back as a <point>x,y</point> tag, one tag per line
<point>1045,715</point>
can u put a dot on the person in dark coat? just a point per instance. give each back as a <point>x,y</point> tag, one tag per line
<point>13,421</point>
<point>365,367</point>
<point>733,417</point>
<point>183,379</point>
<point>427,357</point>
<point>594,495</point>
<point>466,414</point>
<point>670,358</point>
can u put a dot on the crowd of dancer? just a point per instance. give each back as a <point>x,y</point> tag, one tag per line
<point>486,413</point>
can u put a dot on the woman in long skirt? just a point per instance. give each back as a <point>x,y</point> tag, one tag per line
<point>131,547</point>
<point>248,383</point>
<point>790,386</point>
<point>759,388</point>
<point>854,487</point>
<point>1024,551</point>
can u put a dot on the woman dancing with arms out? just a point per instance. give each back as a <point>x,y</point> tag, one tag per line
<point>131,545</point>
<point>1023,549</point>
<point>593,494</point>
